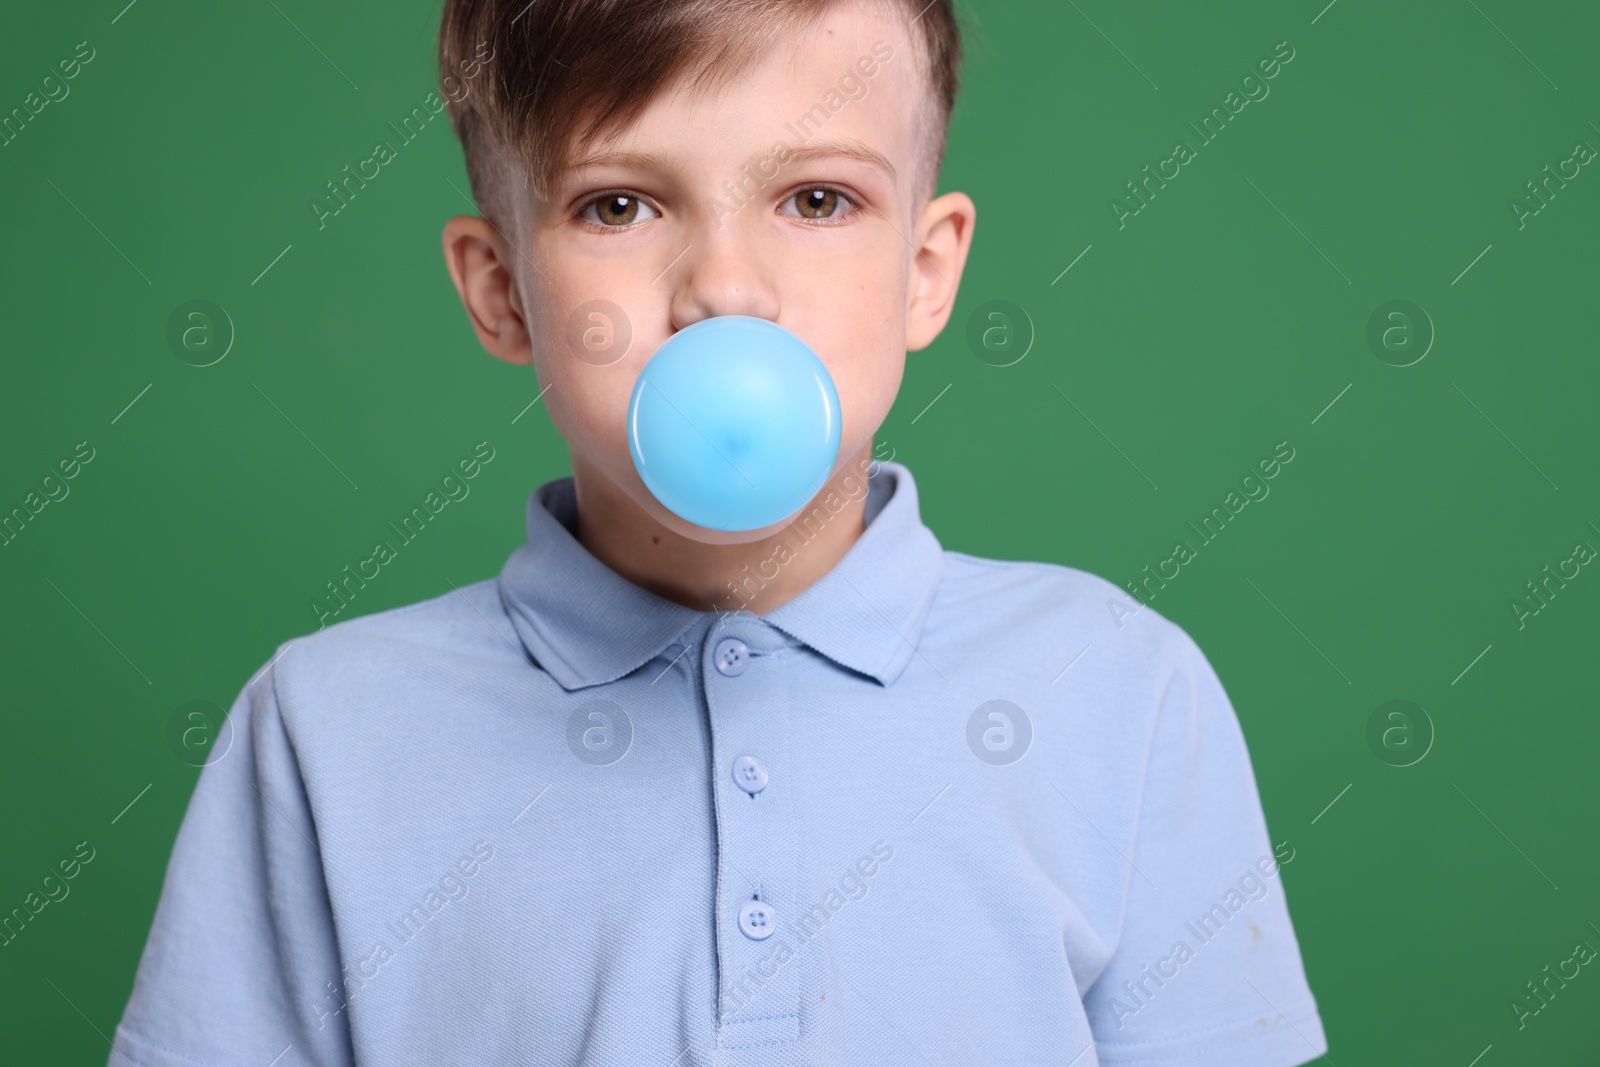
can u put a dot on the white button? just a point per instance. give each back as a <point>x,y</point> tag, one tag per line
<point>749,774</point>
<point>731,656</point>
<point>757,920</point>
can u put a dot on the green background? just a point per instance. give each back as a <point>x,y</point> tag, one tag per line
<point>1228,315</point>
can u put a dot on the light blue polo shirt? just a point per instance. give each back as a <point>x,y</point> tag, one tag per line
<point>936,809</point>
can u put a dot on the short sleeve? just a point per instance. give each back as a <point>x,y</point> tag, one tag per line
<point>241,965</point>
<point>1206,969</point>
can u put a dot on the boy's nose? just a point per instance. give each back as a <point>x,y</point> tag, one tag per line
<point>721,271</point>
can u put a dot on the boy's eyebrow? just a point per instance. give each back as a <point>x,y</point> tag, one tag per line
<point>847,148</point>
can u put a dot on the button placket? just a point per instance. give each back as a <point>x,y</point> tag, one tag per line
<point>757,839</point>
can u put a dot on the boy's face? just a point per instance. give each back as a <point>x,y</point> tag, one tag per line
<point>838,248</point>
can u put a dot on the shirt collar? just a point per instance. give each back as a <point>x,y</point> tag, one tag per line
<point>585,624</point>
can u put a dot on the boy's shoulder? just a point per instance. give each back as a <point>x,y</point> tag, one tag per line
<point>1057,602</point>
<point>439,637</point>
<point>437,618</point>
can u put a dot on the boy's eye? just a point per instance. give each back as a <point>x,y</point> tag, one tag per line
<point>818,202</point>
<point>615,210</point>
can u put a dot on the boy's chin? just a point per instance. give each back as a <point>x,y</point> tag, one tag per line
<point>627,482</point>
<point>701,534</point>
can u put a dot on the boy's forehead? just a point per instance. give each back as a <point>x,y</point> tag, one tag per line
<point>810,89</point>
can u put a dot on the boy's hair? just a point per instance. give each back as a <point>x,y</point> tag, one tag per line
<point>550,77</point>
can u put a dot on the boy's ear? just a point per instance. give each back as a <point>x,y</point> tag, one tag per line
<point>946,229</point>
<point>476,256</point>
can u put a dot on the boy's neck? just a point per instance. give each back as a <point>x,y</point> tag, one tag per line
<point>620,534</point>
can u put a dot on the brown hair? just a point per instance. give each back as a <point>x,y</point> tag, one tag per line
<point>537,80</point>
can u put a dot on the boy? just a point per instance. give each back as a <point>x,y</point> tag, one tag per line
<point>820,793</point>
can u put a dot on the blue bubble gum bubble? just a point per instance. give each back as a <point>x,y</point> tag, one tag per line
<point>734,423</point>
